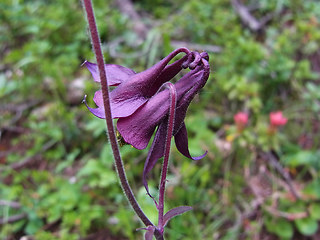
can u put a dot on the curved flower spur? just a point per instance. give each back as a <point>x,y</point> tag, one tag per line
<point>141,108</point>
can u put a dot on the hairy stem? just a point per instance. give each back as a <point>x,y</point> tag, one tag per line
<point>173,102</point>
<point>111,132</point>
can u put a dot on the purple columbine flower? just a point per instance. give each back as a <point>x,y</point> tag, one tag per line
<point>133,89</point>
<point>141,108</point>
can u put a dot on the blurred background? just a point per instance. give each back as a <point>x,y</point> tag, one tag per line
<point>260,179</point>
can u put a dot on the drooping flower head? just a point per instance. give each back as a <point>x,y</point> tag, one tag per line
<point>277,119</point>
<point>141,108</point>
<point>133,89</point>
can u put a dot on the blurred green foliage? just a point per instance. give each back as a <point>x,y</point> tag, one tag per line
<point>69,190</point>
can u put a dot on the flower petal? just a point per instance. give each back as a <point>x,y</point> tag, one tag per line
<point>166,75</point>
<point>98,98</point>
<point>98,112</point>
<point>138,128</point>
<point>146,80</point>
<point>187,82</point>
<point>116,74</point>
<point>125,100</point>
<point>125,107</point>
<point>181,140</point>
<point>197,81</point>
<point>156,151</point>
<point>138,88</point>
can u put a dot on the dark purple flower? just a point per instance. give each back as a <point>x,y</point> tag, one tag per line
<point>141,108</point>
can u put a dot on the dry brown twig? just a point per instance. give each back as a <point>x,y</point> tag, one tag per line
<point>28,160</point>
<point>12,219</point>
<point>274,162</point>
<point>290,216</point>
<point>248,19</point>
<point>18,110</point>
<point>127,8</point>
<point>10,204</point>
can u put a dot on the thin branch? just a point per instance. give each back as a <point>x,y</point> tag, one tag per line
<point>14,129</point>
<point>289,216</point>
<point>10,204</point>
<point>276,164</point>
<point>127,8</point>
<point>12,219</point>
<point>27,160</point>
<point>248,19</point>
<point>18,109</point>
<point>196,47</point>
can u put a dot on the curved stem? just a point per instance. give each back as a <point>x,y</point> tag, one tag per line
<point>173,102</point>
<point>111,132</point>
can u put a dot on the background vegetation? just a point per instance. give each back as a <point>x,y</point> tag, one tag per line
<point>56,171</point>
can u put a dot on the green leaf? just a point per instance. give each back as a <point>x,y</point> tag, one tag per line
<point>175,212</point>
<point>284,229</point>
<point>281,227</point>
<point>301,158</point>
<point>315,211</point>
<point>106,156</point>
<point>33,226</point>
<point>313,189</point>
<point>91,167</point>
<point>307,226</point>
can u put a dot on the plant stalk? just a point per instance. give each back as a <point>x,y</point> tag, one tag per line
<point>110,128</point>
<point>173,102</point>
